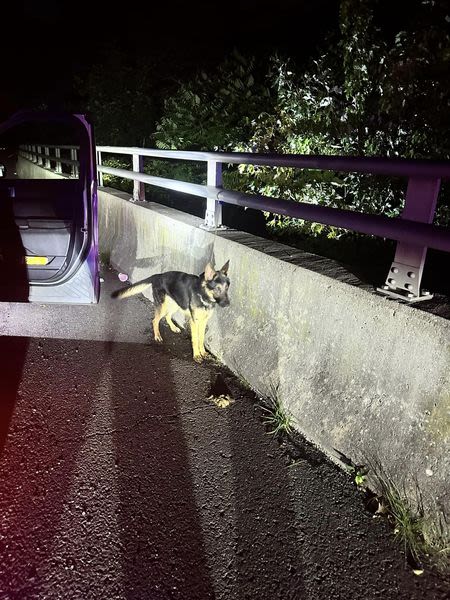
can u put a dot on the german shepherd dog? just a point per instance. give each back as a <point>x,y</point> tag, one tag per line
<point>195,296</point>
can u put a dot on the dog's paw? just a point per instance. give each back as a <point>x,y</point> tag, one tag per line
<point>158,338</point>
<point>175,329</point>
<point>198,358</point>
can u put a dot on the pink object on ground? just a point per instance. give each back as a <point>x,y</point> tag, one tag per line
<point>123,276</point>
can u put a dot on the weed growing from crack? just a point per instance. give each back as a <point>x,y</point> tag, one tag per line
<point>408,523</point>
<point>421,536</point>
<point>275,415</point>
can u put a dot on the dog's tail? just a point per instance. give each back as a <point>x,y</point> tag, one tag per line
<point>134,289</point>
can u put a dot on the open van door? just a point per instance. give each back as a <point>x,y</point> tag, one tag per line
<point>48,220</point>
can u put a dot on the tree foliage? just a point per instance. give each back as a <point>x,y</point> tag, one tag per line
<point>371,92</point>
<point>213,110</point>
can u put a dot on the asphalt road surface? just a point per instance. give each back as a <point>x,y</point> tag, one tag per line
<point>121,480</point>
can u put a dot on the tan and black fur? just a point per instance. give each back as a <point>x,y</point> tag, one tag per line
<point>195,296</point>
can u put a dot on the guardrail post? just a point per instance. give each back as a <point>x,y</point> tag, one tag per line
<point>73,156</point>
<point>33,149</point>
<point>405,274</point>
<point>138,186</point>
<point>99,173</point>
<point>39,158</point>
<point>47,160</point>
<point>213,213</point>
<point>58,167</point>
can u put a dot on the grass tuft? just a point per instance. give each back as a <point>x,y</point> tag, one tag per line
<point>421,536</point>
<point>275,415</point>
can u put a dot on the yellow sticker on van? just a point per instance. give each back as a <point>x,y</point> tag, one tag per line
<point>36,260</point>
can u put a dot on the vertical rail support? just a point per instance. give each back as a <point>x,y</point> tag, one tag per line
<point>213,213</point>
<point>58,168</point>
<point>99,173</point>
<point>74,168</point>
<point>39,158</point>
<point>33,149</point>
<point>405,275</point>
<point>138,186</point>
<point>47,159</point>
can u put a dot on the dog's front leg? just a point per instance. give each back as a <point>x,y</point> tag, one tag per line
<point>195,323</point>
<point>201,333</point>
<point>198,327</point>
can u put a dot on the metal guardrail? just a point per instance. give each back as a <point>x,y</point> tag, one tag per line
<point>33,152</point>
<point>413,229</point>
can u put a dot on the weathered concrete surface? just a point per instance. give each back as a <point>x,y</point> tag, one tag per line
<point>120,480</point>
<point>359,373</point>
<point>26,169</point>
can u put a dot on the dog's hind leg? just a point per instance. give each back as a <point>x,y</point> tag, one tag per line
<point>160,313</point>
<point>171,324</point>
<point>172,308</point>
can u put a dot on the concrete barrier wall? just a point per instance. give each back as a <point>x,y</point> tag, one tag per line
<point>359,373</point>
<point>28,170</point>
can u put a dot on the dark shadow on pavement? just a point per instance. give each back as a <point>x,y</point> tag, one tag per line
<point>13,351</point>
<point>13,287</point>
<point>161,535</point>
<point>38,462</point>
<point>96,493</point>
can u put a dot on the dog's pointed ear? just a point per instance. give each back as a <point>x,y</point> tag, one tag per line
<point>224,269</point>
<point>209,272</point>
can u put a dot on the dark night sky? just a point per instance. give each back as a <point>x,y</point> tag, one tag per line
<point>44,44</point>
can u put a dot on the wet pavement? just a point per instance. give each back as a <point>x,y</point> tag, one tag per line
<point>121,478</point>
